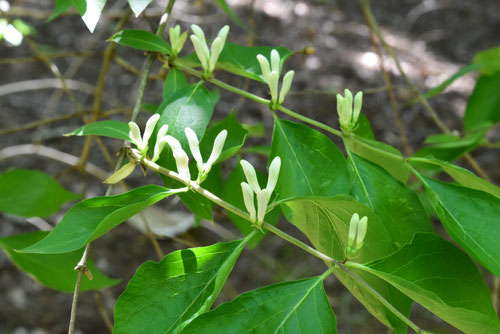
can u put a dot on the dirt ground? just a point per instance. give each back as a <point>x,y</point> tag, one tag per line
<point>433,39</point>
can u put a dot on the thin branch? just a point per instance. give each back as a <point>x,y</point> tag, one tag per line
<point>23,60</point>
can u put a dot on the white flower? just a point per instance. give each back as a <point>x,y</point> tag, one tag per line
<point>135,133</point>
<point>263,195</point>
<point>182,162</point>
<point>271,74</point>
<point>357,232</point>
<point>194,145</point>
<point>348,117</point>
<point>208,58</point>
<point>160,142</point>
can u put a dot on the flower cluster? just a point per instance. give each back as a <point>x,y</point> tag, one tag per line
<point>177,39</point>
<point>357,233</point>
<point>208,58</point>
<point>348,117</point>
<point>271,74</point>
<point>263,195</point>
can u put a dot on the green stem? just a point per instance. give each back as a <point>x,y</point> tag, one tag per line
<point>377,295</point>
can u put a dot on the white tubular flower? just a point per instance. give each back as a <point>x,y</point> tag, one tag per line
<point>182,162</point>
<point>250,175</point>
<point>347,116</point>
<point>248,199</point>
<point>357,232</point>
<point>194,146</point>
<point>216,150</point>
<point>275,61</point>
<point>160,142</point>
<point>208,58</point>
<point>264,66</point>
<point>173,143</point>
<point>148,131</point>
<point>135,134</point>
<point>262,200</point>
<point>285,86</point>
<point>273,80</point>
<point>274,172</point>
<point>120,174</point>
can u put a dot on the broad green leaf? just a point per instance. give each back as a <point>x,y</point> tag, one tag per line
<point>255,130</point>
<point>60,7</point>
<point>236,136</point>
<point>163,297</point>
<point>397,206</point>
<point>224,6</point>
<point>142,40</point>
<point>90,10</point>
<point>381,154</point>
<point>190,107</point>
<point>288,307</point>
<point>31,193</point>
<point>471,217</point>
<point>437,275</point>
<point>461,72</point>
<point>449,147</point>
<point>488,61</point>
<point>174,82</point>
<point>325,221</point>
<point>91,218</point>
<point>138,6</point>
<point>363,128</point>
<point>311,164</point>
<point>233,194</point>
<point>484,104</point>
<point>55,271</point>
<point>113,129</point>
<point>242,60</point>
<point>463,176</point>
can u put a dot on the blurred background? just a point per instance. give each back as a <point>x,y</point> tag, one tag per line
<point>432,40</point>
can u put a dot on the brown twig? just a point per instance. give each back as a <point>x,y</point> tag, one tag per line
<point>23,60</point>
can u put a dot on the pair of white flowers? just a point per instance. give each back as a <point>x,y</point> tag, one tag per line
<point>271,74</point>
<point>348,117</point>
<point>252,187</point>
<point>180,156</point>
<point>357,232</point>
<point>208,57</point>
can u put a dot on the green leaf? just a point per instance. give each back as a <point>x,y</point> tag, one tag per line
<point>463,176</point>
<point>142,40</point>
<point>471,217</point>
<point>223,5</point>
<point>311,164</point>
<point>191,107</point>
<point>236,136</point>
<point>138,6</point>
<point>90,10</point>
<point>381,154</point>
<point>242,60</point>
<point>325,221</point>
<point>484,103</point>
<point>449,147</point>
<point>397,206</point>
<point>91,218</point>
<point>461,72</point>
<point>363,128</point>
<point>31,193</point>
<point>233,195</point>
<point>288,307</point>
<point>55,271</point>
<point>113,129</point>
<point>437,275</point>
<point>488,61</point>
<point>164,297</point>
<point>60,7</point>
<point>175,81</point>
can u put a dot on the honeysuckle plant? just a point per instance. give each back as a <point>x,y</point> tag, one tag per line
<point>326,192</point>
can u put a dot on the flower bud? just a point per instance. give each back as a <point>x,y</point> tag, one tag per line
<point>216,150</point>
<point>348,96</point>
<point>273,85</point>
<point>135,134</point>
<point>194,146</point>
<point>198,33</point>
<point>250,175</point>
<point>264,66</point>
<point>275,61</point>
<point>274,172</point>
<point>358,101</point>
<point>182,40</point>
<point>148,131</point>
<point>182,162</point>
<point>216,49</point>
<point>120,174</point>
<point>223,34</point>
<point>248,199</point>
<point>174,33</point>
<point>353,229</point>
<point>285,86</point>
<point>362,229</point>
<point>201,51</point>
<point>262,200</point>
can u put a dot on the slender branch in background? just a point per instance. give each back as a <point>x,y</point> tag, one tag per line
<point>374,27</point>
<point>135,112</point>
<point>390,91</point>
<point>23,60</point>
<point>102,310</point>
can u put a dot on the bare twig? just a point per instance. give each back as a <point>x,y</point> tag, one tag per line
<point>23,60</point>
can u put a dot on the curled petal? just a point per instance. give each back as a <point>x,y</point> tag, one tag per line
<point>274,172</point>
<point>217,149</point>
<point>173,143</point>
<point>182,162</point>
<point>194,146</point>
<point>159,146</point>
<point>150,126</point>
<point>250,175</point>
<point>135,134</point>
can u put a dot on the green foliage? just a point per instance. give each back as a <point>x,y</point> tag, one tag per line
<point>142,40</point>
<point>164,297</point>
<point>484,103</point>
<point>55,271</point>
<point>113,129</point>
<point>31,193</point>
